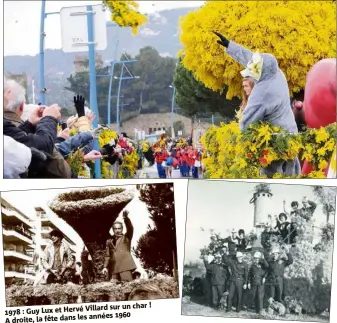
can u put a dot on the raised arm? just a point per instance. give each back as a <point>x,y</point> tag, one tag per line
<point>312,206</point>
<point>128,225</point>
<point>239,53</point>
<point>290,260</point>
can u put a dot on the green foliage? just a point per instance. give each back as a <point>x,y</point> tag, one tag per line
<point>157,246</point>
<point>148,94</point>
<point>99,292</point>
<point>195,99</point>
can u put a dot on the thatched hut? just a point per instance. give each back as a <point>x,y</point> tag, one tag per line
<point>91,213</point>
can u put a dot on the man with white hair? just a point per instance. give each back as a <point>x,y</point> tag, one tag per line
<point>39,131</point>
<point>256,279</point>
<point>238,280</point>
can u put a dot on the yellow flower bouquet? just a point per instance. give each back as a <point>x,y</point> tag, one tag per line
<point>126,14</point>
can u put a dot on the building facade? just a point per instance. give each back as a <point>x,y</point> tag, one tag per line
<point>18,244</point>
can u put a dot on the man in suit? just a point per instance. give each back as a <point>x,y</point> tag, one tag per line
<point>256,279</point>
<point>119,263</point>
<point>216,277</point>
<point>238,280</point>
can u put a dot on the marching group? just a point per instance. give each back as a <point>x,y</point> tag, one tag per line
<point>228,274</point>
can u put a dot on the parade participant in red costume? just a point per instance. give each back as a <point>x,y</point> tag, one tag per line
<point>320,99</point>
<point>160,155</point>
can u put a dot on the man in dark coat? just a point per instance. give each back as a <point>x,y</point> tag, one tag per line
<point>256,280</point>
<point>238,280</point>
<point>118,260</point>
<point>40,131</point>
<point>242,241</point>
<point>275,277</point>
<point>216,276</point>
<point>233,242</point>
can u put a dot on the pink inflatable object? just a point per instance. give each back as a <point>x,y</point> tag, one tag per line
<point>320,99</point>
<point>320,94</point>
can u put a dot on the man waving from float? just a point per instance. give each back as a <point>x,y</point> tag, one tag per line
<point>269,100</point>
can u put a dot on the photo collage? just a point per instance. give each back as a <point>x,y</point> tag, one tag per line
<point>168,160</point>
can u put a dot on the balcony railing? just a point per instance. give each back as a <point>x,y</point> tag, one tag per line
<point>18,229</point>
<point>12,234</point>
<point>13,213</point>
<point>17,255</point>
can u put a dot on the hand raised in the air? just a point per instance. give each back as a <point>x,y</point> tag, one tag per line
<point>79,102</point>
<point>223,40</point>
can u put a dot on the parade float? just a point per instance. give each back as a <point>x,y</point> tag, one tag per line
<point>307,281</point>
<point>231,154</point>
<point>91,213</point>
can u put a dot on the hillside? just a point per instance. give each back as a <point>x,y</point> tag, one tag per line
<point>161,32</point>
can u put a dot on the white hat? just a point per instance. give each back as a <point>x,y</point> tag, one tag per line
<point>210,258</point>
<point>239,254</point>
<point>257,254</point>
<point>233,230</point>
<point>254,67</point>
<point>275,250</point>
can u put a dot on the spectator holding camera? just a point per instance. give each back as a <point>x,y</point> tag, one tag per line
<point>40,130</point>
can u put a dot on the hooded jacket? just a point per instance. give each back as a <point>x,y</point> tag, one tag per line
<point>269,100</point>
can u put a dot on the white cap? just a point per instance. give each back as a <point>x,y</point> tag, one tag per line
<point>210,258</point>
<point>257,255</point>
<point>239,254</point>
<point>275,250</point>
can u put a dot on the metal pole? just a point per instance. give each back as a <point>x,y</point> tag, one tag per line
<point>212,119</point>
<point>109,95</point>
<point>172,111</point>
<point>41,54</point>
<point>118,94</point>
<point>92,77</point>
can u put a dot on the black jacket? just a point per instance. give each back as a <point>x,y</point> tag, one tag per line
<point>215,273</point>
<point>41,137</point>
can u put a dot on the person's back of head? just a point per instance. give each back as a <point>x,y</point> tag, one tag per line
<point>14,96</point>
<point>146,292</point>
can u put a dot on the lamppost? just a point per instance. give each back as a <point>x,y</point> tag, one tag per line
<point>172,109</point>
<point>113,63</point>
<point>44,15</point>
<point>121,78</point>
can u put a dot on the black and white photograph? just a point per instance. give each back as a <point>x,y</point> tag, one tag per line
<point>259,251</point>
<point>95,244</point>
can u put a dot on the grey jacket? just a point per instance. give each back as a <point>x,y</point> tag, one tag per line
<point>270,99</point>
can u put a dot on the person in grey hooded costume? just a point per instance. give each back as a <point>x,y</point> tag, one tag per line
<point>269,101</point>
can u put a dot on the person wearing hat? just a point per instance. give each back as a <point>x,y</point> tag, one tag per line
<point>56,259</point>
<point>119,263</point>
<point>242,241</point>
<point>216,277</point>
<point>283,227</point>
<point>233,242</point>
<point>256,279</point>
<point>275,277</point>
<point>238,280</point>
